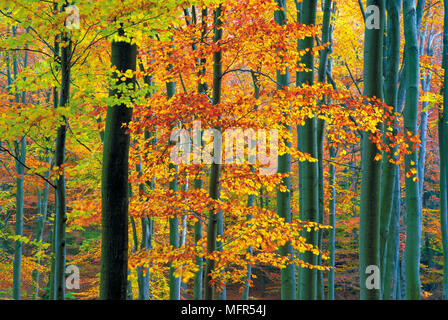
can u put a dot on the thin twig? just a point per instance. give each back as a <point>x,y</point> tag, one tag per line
<point>353,79</point>
<point>250,71</point>
<point>3,149</point>
<point>363,12</point>
<point>342,164</point>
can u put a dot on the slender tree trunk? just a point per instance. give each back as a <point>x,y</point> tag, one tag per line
<point>310,170</point>
<point>425,49</point>
<point>369,244</point>
<point>53,226</point>
<point>391,260</point>
<point>332,207</point>
<point>146,242</point>
<point>390,98</point>
<point>42,210</point>
<point>199,275</point>
<point>402,81</point>
<point>288,281</point>
<point>443,143</point>
<point>413,209</point>
<point>222,294</point>
<point>301,170</point>
<point>174,282</point>
<point>250,203</point>
<point>51,277</point>
<point>332,223</point>
<point>114,247</point>
<point>143,277</point>
<point>20,153</point>
<point>61,210</point>
<point>246,289</point>
<point>215,167</point>
<point>321,76</point>
<point>202,88</point>
<point>402,270</point>
<point>143,272</point>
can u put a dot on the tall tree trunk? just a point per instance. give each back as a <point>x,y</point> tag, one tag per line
<point>202,89</point>
<point>369,243</point>
<point>443,143</point>
<point>425,49</point>
<point>42,210</point>
<point>402,81</point>
<point>51,277</point>
<point>332,223</point>
<point>174,282</point>
<point>246,289</point>
<point>391,261</point>
<point>310,170</point>
<point>288,281</point>
<point>250,202</point>
<point>143,272</point>
<point>146,242</point>
<point>53,226</point>
<point>61,210</point>
<point>20,151</point>
<point>215,167</point>
<point>413,206</point>
<point>321,76</point>
<point>222,294</point>
<point>390,98</point>
<point>114,246</point>
<point>300,165</point>
<point>20,154</point>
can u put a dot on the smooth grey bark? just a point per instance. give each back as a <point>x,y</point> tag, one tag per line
<point>321,76</point>
<point>391,267</point>
<point>369,244</point>
<point>309,187</point>
<point>413,206</point>
<point>287,274</point>
<point>402,81</point>
<point>391,99</point>
<point>426,43</point>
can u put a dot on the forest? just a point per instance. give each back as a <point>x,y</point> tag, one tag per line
<point>223,150</point>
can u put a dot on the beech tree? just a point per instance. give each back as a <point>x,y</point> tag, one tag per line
<point>413,209</point>
<point>369,221</point>
<point>443,136</point>
<point>115,190</point>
